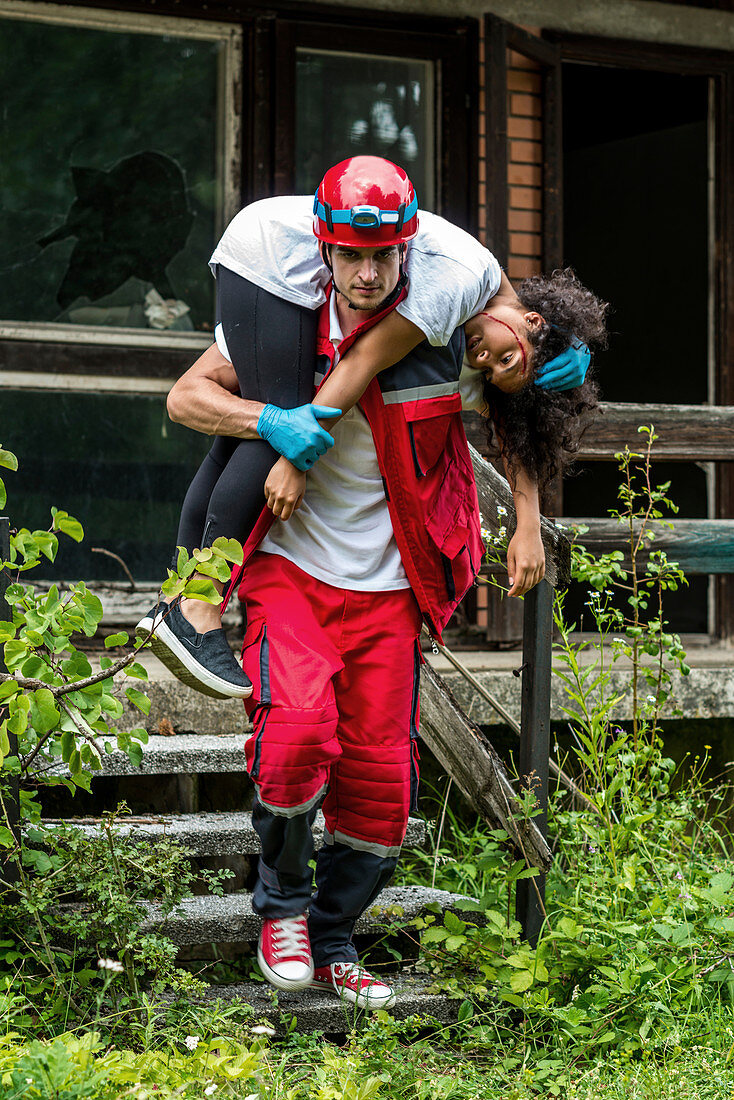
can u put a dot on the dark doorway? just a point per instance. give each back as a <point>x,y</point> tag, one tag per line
<point>636,218</point>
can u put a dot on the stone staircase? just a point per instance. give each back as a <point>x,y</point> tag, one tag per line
<point>193,789</point>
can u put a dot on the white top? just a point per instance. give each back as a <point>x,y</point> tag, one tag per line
<point>271,243</point>
<point>342,533</point>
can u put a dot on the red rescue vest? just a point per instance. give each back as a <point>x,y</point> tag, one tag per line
<point>414,412</point>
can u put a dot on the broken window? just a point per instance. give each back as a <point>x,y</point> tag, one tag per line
<point>111,187</point>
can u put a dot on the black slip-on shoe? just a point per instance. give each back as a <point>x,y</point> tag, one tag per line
<point>202,661</point>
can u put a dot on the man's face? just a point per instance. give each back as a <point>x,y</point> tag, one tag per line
<point>365,276</point>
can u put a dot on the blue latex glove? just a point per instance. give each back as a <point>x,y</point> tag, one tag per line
<point>296,433</point>
<point>567,370</point>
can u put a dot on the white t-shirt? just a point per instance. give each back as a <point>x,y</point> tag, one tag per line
<point>271,243</point>
<point>342,533</point>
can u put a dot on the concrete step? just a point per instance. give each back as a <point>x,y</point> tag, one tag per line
<point>230,919</point>
<point>186,753</point>
<point>317,1011</point>
<point>208,834</point>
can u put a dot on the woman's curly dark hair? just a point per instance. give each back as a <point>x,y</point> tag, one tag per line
<point>539,429</point>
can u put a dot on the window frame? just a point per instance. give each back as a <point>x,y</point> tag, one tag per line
<point>718,66</point>
<point>452,44</point>
<point>40,337</point>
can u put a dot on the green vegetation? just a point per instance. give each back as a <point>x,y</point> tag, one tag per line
<point>627,995</point>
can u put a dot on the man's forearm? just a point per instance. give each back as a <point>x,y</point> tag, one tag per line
<point>213,411</point>
<point>206,398</point>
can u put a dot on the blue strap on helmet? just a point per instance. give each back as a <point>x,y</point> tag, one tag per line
<point>365,217</point>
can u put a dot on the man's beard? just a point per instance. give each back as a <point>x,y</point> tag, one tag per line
<point>364,307</point>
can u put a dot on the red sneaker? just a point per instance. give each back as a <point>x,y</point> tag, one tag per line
<point>355,984</point>
<point>284,953</point>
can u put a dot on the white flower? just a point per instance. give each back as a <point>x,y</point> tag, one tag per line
<point>262,1029</point>
<point>210,1089</point>
<point>192,1042</point>
<point>110,964</point>
<point>501,511</point>
<point>502,532</point>
<point>651,699</point>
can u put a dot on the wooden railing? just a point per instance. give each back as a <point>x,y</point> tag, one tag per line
<point>461,747</point>
<point>686,433</point>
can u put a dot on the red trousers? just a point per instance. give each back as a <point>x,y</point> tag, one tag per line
<point>335,703</point>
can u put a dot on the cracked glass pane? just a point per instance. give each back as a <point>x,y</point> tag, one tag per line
<point>109,182</point>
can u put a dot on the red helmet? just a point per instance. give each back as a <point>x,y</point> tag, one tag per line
<point>363,202</point>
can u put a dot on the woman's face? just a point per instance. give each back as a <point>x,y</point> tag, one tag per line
<point>497,344</point>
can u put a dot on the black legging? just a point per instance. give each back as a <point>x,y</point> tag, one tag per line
<point>272,345</point>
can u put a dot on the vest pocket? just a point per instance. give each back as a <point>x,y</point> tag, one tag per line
<point>451,526</point>
<point>428,424</point>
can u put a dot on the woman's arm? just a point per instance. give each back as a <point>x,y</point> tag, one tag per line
<point>525,553</point>
<point>385,344</point>
<point>380,347</point>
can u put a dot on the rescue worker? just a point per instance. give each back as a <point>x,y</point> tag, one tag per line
<point>335,601</point>
<point>386,538</point>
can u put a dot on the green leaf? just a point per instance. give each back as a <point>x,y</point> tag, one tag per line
<point>112,705</point>
<point>7,840</point>
<point>8,459</point>
<point>541,971</point>
<point>135,753</point>
<point>15,652</point>
<point>68,744</point>
<point>116,639</point>
<point>229,549</point>
<point>47,543</point>
<point>8,689</point>
<point>137,671</point>
<point>142,702</point>
<point>38,860</point>
<point>33,667</point>
<point>520,980</point>
<point>19,711</point>
<point>4,742</point>
<point>453,923</point>
<point>69,526</point>
<point>77,667</point>
<point>44,712</point>
<point>173,586</point>
<point>183,558</point>
<point>202,589</point>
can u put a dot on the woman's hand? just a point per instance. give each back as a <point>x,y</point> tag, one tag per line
<point>284,489</point>
<point>525,560</point>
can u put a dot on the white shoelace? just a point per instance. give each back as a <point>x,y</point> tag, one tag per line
<point>290,936</point>
<point>354,972</point>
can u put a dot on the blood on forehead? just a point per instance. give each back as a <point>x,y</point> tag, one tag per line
<point>510,329</point>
